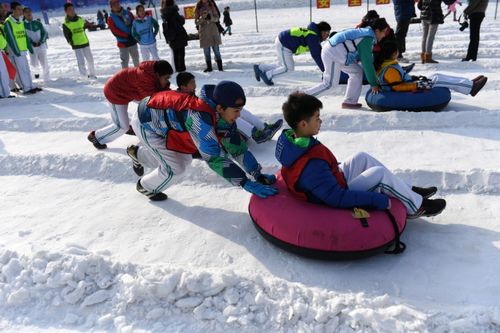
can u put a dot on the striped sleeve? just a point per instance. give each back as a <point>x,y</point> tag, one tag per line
<point>201,129</point>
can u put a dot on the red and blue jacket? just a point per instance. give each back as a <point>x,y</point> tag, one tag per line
<point>120,25</point>
<point>311,172</point>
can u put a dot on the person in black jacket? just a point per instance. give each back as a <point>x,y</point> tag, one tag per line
<point>404,10</point>
<point>227,21</point>
<point>174,32</point>
<point>475,13</point>
<point>432,16</point>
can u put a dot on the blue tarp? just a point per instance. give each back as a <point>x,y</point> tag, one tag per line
<point>38,5</point>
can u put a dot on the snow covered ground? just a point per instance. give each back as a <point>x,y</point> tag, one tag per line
<point>82,250</point>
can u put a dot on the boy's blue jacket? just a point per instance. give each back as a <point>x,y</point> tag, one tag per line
<point>318,182</point>
<point>312,41</point>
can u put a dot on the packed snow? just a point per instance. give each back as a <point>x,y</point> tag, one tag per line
<point>82,250</point>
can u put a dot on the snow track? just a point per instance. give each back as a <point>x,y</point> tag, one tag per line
<point>82,250</point>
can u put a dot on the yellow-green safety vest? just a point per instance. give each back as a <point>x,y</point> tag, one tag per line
<point>3,40</point>
<point>301,32</point>
<point>19,33</point>
<point>78,35</point>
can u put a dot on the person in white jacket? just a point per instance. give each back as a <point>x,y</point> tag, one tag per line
<point>38,37</point>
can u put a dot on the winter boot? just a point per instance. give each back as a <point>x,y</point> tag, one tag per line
<point>91,137</point>
<point>429,207</point>
<point>219,65</point>
<point>478,85</point>
<point>477,78</point>
<point>408,68</point>
<point>151,195</point>
<point>351,106</point>
<point>256,72</point>
<point>266,134</point>
<point>429,60</point>
<point>209,67</point>
<point>264,78</point>
<point>425,192</point>
<point>136,165</point>
<point>130,131</point>
<point>422,57</point>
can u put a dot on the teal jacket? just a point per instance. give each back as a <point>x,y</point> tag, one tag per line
<point>36,32</point>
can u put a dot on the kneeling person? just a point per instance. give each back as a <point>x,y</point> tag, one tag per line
<point>312,173</point>
<point>173,125</point>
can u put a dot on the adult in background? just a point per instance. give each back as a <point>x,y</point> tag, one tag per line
<point>38,37</point>
<point>144,29</point>
<point>174,32</point>
<point>475,13</point>
<point>404,10</point>
<point>206,18</point>
<point>432,16</point>
<point>120,23</point>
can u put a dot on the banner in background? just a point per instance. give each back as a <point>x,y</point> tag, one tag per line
<point>354,3</point>
<point>382,2</point>
<point>322,3</point>
<point>189,12</point>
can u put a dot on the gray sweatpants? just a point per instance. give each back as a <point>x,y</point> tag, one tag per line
<point>126,53</point>
<point>429,31</point>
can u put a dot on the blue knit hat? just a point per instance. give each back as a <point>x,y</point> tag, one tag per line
<point>227,93</point>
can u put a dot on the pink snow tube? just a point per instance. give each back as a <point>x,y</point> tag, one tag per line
<point>322,232</point>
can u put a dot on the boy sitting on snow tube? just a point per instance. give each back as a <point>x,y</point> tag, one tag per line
<point>392,77</point>
<point>312,173</point>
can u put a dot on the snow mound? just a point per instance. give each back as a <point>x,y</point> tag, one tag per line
<point>80,289</point>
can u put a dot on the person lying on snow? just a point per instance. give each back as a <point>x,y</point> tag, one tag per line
<point>393,77</point>
<point>248,124</point>
<point>312,173</point>
<point>130,84</point>
<point>173,125</point>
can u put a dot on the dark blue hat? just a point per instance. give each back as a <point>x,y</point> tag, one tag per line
<point>227,93</point>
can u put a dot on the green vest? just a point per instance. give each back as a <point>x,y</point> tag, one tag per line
<point>19,33</point>
<point>78,35</point>
<point>3,41</point>
<point>301,32</point>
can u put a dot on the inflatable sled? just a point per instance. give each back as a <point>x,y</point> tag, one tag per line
<point>434,99</point>
<point>344,77</point>
<point>322,232</point>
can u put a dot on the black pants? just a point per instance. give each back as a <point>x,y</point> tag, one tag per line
<point>401,31</point>
<point>179,54</point>
<point>475,20</point>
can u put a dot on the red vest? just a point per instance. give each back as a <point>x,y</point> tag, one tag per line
<point>292,174</point>
<point>180,141</point>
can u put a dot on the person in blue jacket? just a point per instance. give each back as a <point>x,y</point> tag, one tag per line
<point>312,172</point>
<point>144,29</point>
<point>292,42</point>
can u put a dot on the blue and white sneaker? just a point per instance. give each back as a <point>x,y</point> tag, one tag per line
<point>264,78</point>
<point>256,71</point>
<point>266,134</point>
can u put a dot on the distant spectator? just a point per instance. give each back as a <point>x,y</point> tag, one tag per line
<point>174,32</point>
<point>432,16</point>
<point>404,11</point>
<point>144,29</point>
<point>100,20</point>
<point>38,37</point>
<point>120,23</point>
<point>206,18</point>
<point>18,46</point>
<point>74,31</point>
<point>227,21</point>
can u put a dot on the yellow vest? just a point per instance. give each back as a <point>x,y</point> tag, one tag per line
<point>3,41</point>
<point>301,32</point>
<point>19,33</point>
<point>78,35</point>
